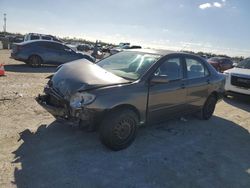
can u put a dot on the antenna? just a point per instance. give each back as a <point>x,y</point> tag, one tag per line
<point>5,20</point>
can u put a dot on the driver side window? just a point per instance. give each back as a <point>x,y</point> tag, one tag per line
<point>172,68</point>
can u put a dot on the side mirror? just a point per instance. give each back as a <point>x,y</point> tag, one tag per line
<point>160,79</point>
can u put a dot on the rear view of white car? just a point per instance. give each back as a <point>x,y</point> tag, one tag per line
<point>238,78</point>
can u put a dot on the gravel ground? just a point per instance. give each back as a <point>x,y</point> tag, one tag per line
<point>37,151</point>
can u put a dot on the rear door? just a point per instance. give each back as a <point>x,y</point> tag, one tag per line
<point>198,80</point>
<point>68,54</point>
<point>168,99</point>
<point>53,52</point>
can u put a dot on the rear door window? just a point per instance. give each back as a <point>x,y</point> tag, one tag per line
<point>195,69</point>
<point>53,46</point>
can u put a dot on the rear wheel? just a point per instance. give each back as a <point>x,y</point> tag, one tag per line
<point>35,61</point>
<point>118,129</point>
<point>209,107</point>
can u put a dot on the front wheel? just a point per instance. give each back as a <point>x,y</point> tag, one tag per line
<point>118,129</point>
<point>209,107</point>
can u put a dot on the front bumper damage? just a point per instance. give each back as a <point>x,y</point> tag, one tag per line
<point>61,112</point>
<point>56,105</point>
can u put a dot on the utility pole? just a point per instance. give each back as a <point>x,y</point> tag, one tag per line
<point>4,25</point>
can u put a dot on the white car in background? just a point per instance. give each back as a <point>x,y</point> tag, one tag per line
<point>238,78</point>
<point>38,36</point>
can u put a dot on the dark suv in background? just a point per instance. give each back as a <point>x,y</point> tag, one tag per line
<point>38,52</point>
<point>221,63</point>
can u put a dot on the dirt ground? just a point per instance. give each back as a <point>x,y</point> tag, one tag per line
<point>37,151</point>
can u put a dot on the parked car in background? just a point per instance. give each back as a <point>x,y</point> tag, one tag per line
<point>37,36</point>
<point>121,44</point>
<point>16,39</point>
<point>38,52</point>
<point>8,40</point>
<point>221,63</point>
<point>118,49</point>
<point>131,88</point>
<point>83,47</point>
<point>72,46</point>
<point>135,47</point>
<point>238,78</point>
<point>122,48</point>
<point>106,48</point>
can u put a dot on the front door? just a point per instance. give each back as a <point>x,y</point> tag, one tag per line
<point>167,100</point>
<point>68,54</point>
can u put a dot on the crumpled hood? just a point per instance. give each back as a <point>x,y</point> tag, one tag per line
<point>83,75</point>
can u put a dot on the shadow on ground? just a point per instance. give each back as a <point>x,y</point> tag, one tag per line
<point>23,68</point>
<point>241,102</point>
<point>195,153</point>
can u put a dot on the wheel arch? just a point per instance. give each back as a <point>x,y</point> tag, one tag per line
<point>215,93</point>
<point>35,55</point>
<point>124,107</point>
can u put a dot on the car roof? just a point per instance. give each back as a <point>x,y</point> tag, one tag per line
<point>160,52</point>
<point>34,41</point>
<point>151,51</point>
<point>220,58</point>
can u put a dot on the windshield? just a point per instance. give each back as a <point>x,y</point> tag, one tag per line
<point>129,65</point>
<point>245,64</point>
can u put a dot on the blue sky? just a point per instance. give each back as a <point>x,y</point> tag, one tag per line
<point>220,26</point>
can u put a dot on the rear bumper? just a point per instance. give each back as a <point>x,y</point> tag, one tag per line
<point>16,57</point>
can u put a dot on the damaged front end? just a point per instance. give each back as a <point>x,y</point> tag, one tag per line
<point>54,103</point>
<point>69,95</point>
<point>71,108</point>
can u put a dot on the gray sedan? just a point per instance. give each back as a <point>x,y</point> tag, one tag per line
<point>38,52</point>
<point>130,89</point>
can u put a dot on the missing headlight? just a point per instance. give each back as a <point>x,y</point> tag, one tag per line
<point>78,100</point>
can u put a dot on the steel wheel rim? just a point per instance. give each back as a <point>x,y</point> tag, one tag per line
<point>123,130</point>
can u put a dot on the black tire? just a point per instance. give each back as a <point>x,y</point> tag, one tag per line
<point>118,129</point>
<point>35,61</point>
<point>208,108</point>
